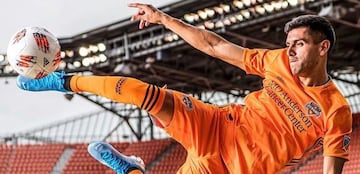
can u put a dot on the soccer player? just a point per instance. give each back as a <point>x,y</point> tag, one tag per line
<point>298,110</point>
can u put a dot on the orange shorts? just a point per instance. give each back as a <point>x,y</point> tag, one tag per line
<point>207,133</point>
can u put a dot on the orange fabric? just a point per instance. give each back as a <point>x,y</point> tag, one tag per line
<point>275,128</point>
<point>122,89</point>
<point>286,119</point>
<point>136,172</point>
<point>196,125</point>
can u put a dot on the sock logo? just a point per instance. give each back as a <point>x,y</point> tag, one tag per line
<point>119,84</point>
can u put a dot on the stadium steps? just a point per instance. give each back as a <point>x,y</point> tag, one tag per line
<point>63,160</point>
<point>39,158</point>
<point>6,153</point>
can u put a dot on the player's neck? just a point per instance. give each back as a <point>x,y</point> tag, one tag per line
<point>315,80</point>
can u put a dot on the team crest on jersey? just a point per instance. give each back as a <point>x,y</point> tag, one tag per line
<point>313,109</point>
<point>346,143</point>
<point>188,103</point>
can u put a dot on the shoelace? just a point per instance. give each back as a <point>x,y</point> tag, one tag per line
<point>50,83</point>
<point>120,166</point>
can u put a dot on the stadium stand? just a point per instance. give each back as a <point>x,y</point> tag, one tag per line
<point>39,158</point>
<point>160,157</point>
<point>82,162</point>
<point>5,152</point>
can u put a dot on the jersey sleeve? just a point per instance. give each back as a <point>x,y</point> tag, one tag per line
<point>337,135</point>
<point>257,60</point>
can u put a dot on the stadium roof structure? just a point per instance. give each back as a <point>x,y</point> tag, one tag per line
<point>159,56</point>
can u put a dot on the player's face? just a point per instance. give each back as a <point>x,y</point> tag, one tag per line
<point>303,53</point>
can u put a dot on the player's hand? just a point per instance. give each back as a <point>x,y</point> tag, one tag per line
<point>146,14</point>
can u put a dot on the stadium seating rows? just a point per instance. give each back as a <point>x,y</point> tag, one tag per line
<point>42,158</point>
<point>160,156</point>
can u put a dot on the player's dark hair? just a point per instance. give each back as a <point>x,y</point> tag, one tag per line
<point>320,28</point>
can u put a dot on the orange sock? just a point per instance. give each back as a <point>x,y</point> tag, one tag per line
<point>135,172</point>
<point>122,89</point>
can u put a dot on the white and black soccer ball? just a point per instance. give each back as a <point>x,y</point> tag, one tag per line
<point>33,52</point>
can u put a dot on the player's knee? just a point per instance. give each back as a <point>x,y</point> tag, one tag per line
<point>166,111</point>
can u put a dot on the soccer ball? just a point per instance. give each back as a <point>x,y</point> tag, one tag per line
<point>33,52</point>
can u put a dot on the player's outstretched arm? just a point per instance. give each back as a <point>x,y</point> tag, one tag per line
<point>203,40</point>
<point>333,165</point>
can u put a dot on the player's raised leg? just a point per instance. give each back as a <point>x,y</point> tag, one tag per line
<point>121,164</point>
<point>120,89</point>
<point>155,100</point>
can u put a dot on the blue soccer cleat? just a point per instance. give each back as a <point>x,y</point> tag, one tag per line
<point>52,82</point>
<point>110,157</point>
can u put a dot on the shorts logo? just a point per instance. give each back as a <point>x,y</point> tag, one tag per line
<point>188,103</point>
<point>346,143</point>
<point>313,109</point>
<point>119,84</point>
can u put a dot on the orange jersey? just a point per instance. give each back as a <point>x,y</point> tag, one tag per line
<point>277,126</point>
<point>286,119</point>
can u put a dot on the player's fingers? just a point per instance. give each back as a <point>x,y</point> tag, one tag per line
<point>147,23</point>
<point>136,18</point>
<point>137,5</point>
<point>138,15</point>
<point>140,12</point>
<point>141,24</point>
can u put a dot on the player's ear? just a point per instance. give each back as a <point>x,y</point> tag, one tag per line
<point>324,47</point>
